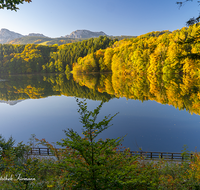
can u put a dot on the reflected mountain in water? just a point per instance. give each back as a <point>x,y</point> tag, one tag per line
<point>11,102</point>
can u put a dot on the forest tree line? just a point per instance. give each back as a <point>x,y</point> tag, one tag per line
<point>34,58</point>
<point>22,59</point>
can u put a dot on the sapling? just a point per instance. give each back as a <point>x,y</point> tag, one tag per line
<point>89,162</point>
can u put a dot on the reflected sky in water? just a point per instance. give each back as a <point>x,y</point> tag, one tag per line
<point>149,125</point>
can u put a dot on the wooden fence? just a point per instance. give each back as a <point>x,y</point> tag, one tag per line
<point>145,155</point>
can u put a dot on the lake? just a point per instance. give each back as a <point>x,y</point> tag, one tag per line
<point>159,114</point>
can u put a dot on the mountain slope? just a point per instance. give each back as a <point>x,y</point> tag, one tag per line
<point>7,35</point>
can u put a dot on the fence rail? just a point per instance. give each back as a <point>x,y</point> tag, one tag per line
<point>163,155</point>
<point>145,155</point>
<point>41,151</point>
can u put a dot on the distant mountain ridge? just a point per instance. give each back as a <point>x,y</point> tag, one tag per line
<point>37,34</point>
<point>10,37</point>
<point>85,34</point>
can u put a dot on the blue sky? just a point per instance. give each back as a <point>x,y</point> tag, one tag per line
<point>114,17</point>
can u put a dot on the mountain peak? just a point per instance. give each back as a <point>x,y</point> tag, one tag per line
<point>36,34</point>
<point>4,29</point>
<point>7,35</point>
<point>85,34</point>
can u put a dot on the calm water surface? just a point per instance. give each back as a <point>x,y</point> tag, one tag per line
<point>46,112</point>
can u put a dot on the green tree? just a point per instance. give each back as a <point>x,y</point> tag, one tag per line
<point>12,4</point>
<point>94,164</point>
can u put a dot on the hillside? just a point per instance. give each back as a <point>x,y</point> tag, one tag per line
<point>42,40</point>
<point>51,41</point>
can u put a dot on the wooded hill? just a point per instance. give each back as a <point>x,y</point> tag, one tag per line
<point>155,52</point>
